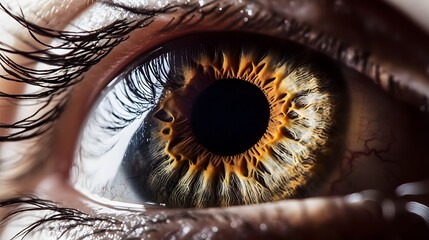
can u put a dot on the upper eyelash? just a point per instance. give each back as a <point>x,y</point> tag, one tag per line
<point>86,48</point>
<point>83,50</point>
<point>136,96</point>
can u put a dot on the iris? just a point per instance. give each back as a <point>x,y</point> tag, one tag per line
<point>233,122</point>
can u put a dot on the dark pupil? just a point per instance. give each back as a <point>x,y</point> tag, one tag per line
<point>230,116</point>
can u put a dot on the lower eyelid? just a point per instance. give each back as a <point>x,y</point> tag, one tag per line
<point>356,216</point>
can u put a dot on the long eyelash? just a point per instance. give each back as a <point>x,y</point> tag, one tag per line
<point>130,99</point>
<point>62,58</point>
<point>143,91</point>
<point>73,55</point>
<point>232,16</point>
<point>63,219</point>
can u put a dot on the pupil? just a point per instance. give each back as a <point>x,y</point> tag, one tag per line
<point>230,116</point>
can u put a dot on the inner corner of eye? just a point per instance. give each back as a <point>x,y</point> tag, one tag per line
<point>214,120</point>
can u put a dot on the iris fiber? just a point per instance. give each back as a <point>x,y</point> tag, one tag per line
<point>287,161</point>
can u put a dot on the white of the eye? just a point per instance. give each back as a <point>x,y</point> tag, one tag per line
<point>93,175</point>
<point>100,175</point>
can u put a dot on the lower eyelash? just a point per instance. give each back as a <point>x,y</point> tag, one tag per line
<point>55,222</point>
<point>58,222</point>
<point>66,223</point>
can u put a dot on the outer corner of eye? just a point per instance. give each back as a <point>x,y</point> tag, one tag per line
<point>216,119</point>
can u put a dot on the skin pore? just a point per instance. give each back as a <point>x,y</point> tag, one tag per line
<point>38,165</point>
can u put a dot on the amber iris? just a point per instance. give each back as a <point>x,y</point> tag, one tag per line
<point>239,126</point>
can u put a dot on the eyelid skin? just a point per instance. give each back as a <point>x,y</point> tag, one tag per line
<point>380,32</point>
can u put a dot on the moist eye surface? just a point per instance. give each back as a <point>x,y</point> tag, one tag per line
<point>218,120</point>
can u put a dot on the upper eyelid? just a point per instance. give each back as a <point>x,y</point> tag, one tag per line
<point>171,8</point>
<point>365,57</point>
<point>212,5</point>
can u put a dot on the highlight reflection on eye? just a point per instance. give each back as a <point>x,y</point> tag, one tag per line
<point>222,120</point>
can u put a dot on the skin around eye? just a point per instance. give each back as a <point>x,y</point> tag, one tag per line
<point>410,115</point>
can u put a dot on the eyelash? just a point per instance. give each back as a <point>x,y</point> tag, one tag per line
<point>67,219</point>
<point>83,50</point>
<point>86,48</point>
<point>67,222</point>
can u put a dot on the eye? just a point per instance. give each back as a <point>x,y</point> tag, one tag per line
<point>216,121</point>
<point>147,139</point>
<point>374,141</point>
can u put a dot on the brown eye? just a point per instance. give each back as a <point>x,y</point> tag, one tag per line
<point>234,124</point>
<point>221,119</point>
<point>224,120</point>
